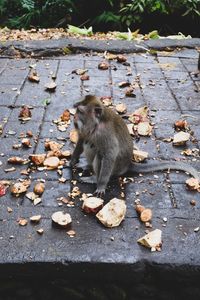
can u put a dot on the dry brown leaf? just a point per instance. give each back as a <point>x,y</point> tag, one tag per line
<point>62,219</point>
<point>113,213</point>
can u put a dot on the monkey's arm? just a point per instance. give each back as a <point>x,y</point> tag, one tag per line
<point>77,152</point>
<point>164,165</point>
<point>199,63</point>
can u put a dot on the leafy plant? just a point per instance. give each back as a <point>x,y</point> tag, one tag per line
<point>81,31</point>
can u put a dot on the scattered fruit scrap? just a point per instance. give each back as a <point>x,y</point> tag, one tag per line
<point>139,155</point>
<point>20,187</point>
<point>144,213</point>
<point>193,184</point>
<point>51,86</point>
<point>33,77</point>
<point>92,204</point>
<point>62,219</point>
<point>113,213</point>
<point>152,240</point>
<point>25,113</point>
<point>181,138</point>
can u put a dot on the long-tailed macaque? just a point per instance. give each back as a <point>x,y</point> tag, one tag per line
<point>108,146</point>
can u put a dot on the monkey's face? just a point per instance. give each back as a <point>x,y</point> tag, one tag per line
<point>87,117</point>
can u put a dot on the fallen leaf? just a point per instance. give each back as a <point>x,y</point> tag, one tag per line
<point>152,240</point>
<point>113,213</point>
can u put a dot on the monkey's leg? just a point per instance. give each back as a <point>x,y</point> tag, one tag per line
<point>77,152</point>
<point>107,165</point>
<point>96,165</point>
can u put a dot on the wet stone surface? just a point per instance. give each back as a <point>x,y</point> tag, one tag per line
<point>167,87</point>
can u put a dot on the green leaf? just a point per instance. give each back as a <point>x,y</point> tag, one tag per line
<point>81,31</point>
<point>46,102</point>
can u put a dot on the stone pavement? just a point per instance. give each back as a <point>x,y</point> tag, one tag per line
<point>109,262</point>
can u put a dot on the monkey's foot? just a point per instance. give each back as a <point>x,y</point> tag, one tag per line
<point>99,193</point>
<point>90,179</point>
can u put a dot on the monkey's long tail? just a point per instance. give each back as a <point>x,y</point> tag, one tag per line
<point>164,165</point>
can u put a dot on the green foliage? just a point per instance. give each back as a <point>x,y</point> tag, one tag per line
<point>114,14</point>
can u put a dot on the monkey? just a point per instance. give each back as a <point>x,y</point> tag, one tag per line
<point>107,145</point>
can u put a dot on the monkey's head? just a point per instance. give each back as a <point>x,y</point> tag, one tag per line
<point>88,113</point>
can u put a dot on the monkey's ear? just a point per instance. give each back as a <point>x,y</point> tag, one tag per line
<point>98,111</point>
